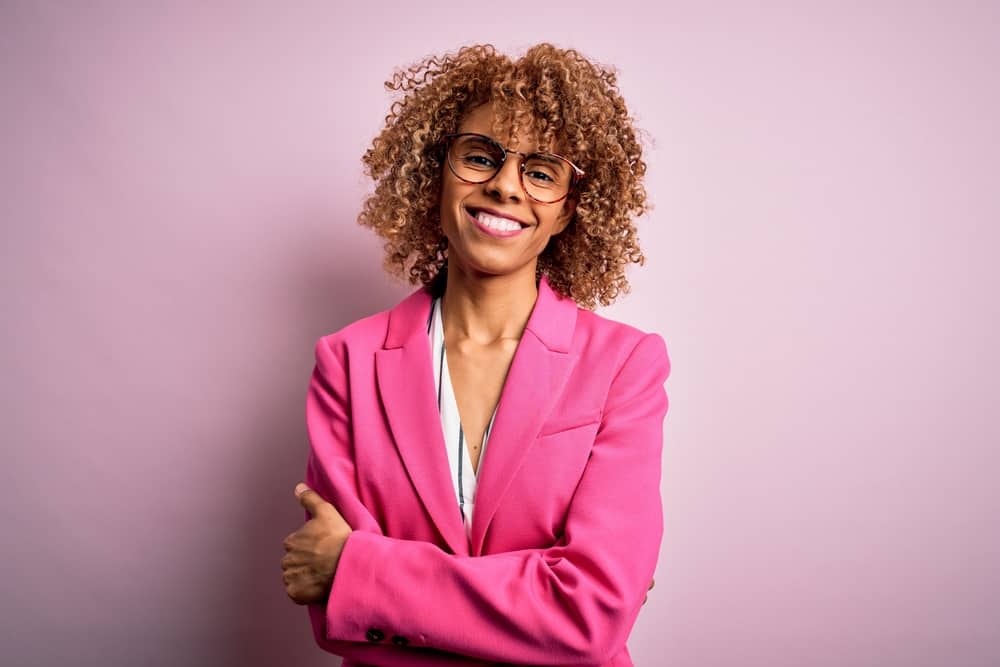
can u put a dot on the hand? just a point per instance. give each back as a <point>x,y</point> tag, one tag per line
<point>314,549</point>
<point>652,581</point>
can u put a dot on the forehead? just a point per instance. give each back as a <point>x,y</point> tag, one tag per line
<point>480,120</point>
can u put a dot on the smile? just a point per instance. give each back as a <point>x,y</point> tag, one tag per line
<point>493,225</point>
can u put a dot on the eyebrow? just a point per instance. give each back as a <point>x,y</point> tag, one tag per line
<point>547,157</point>
<point>544,155</point>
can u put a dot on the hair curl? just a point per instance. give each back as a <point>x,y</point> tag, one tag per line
<point>567,100</point>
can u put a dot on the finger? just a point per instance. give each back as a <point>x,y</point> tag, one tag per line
<point>293,574</point>
<point>651,583</point>
<point>293,591</point>
<point>299,585</point>
<point>310,500</point>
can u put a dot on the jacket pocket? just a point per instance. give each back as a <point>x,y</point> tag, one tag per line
<point>562,424</point>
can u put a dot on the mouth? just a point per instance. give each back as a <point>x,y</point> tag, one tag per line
<point>495,224</point>
<point>497,218</point>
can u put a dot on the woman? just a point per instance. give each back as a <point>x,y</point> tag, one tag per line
<point>483,477</point>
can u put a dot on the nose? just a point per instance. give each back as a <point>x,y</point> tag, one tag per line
<point>506,183</point>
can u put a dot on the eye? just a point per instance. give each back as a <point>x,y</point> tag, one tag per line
<point>479,160</point>
<point>539,176</point>
<point>545,171</point>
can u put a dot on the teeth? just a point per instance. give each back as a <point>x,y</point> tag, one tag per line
<point>493,222</point>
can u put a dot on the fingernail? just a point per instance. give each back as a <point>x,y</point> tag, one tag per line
<point>299,488</point>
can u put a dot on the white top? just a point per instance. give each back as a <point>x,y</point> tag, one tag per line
<point>462,475</point>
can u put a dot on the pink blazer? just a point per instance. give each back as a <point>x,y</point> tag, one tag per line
<point>568,519</point>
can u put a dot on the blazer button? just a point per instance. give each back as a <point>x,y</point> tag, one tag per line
<point>375,635</point>
<point>399,640</point>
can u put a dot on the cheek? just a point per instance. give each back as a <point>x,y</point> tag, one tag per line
<point>451,195</point>
<point>444,202</point>
<point>547,220</point>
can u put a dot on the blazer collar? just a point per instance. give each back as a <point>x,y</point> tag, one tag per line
<point>552,319</point>
<point>405,377</point>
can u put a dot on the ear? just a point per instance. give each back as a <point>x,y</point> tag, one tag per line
<point>569,208</point>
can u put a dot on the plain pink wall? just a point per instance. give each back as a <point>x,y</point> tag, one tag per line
<point>180,187</point>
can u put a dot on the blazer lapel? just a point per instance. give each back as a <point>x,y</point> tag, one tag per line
<point>405,380</point>
<point>535,381</point>
<point>541,364</point>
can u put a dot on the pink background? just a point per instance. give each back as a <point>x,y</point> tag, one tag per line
<point>180,189</point>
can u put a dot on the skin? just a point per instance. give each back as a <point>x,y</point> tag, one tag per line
<point>489,296</point>
<point>491,282</point>
<point>313,551</point>
<point>490,290</point>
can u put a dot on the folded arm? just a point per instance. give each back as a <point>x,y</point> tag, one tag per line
<point>573,603</point>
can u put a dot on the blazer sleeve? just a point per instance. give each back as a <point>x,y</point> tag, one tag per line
<point>573,603</point>
<point>330,471</point>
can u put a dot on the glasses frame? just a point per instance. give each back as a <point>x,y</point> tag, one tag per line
<point>576,174</point>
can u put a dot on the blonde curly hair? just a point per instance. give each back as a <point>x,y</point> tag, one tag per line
<point>568,101</point>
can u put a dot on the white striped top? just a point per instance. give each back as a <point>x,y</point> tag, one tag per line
<point>462,475</point>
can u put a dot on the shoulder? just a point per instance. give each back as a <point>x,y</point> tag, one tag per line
<point>361,336</point>
<point>597,333</point>
<point>597,337</point>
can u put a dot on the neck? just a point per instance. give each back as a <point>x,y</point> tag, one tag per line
<point>486,308</point>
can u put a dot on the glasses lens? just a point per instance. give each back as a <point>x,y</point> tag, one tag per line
<point>547,177</point>
<point>476,159</point>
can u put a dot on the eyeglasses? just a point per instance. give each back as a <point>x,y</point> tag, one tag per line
<point>545,177</point>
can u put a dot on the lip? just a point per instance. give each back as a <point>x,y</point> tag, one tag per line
<point>493,232</point>
<point>497,213</point>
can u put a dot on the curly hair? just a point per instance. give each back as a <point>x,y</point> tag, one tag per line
<point>566,99</point>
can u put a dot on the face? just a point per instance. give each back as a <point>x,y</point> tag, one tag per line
<point>466,206</point>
